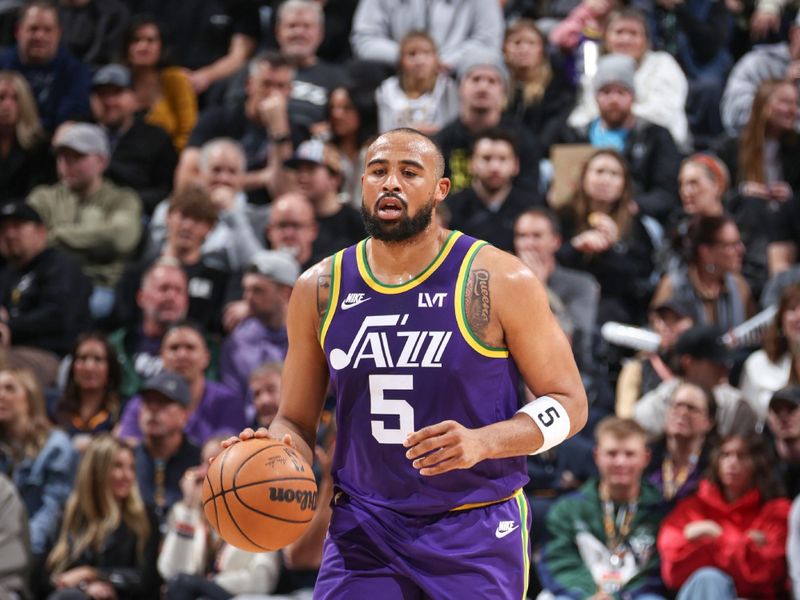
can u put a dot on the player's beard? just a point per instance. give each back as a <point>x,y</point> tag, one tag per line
<point>398,231</point>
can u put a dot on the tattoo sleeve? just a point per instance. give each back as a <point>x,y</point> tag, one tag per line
<point>477,304</point>
<point>323,294</point>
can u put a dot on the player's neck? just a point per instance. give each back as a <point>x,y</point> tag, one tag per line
<point>398,262</point>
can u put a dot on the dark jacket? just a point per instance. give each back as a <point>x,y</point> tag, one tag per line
<point>118,562</point>
<point>24,169</point>
<point>47,301</point>
<point>653,162</point>
<point>61,87</point>
<point>143,158</point>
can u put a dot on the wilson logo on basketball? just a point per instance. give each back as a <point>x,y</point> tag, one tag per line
<point>304,498</point>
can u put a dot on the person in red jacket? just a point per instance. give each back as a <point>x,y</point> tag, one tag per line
<point>729,539</point>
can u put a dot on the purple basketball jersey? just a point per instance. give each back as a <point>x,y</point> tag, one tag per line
<point>402,357</point>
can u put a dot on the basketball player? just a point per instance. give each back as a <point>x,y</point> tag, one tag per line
<point>423,334</point>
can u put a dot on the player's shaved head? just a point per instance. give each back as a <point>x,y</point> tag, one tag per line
<point>426,145</point>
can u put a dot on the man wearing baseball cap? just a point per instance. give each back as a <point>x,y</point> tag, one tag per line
<point>483,81</point>
<point>651,153</point>
<point>141,155</point>
<point>783,422</point>
<point>87,215</point>
<point>165,452</point>
<point>44,295</point>
<point>261,337</point>
<point>700,357</point>
<point>317,169</point>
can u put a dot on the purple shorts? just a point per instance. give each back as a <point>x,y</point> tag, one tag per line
<point>378,554</point>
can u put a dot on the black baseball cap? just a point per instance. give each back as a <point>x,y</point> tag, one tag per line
<point>20,210</point>
<point>679,306</point>
<point>790,394</point>
<point>704,342</point>
<point>171,386</point>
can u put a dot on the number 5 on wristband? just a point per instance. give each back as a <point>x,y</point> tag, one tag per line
<point>552,420</point>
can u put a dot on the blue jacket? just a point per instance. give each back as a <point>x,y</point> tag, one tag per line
<point>45,482</point>
<point>61,87</point>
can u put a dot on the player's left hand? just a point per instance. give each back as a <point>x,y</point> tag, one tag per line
<point>444,447</point>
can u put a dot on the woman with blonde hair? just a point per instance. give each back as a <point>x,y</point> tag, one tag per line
<point>39,459</point>
<point>604,235</point>
<point>540,96</point>
<point>25,158</point>
<point>108,544</point>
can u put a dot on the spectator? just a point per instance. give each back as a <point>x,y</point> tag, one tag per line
<point>44,296</point>
<point>540,95</point>
<point>191,216</point>
<point>25,159</point>
<point>793,548</point>
<point>261,124</point>
<point>163,93</point>
<point>299,29</point>
<point>604,237</point>
<point>211,40</point>
<point>700,358</point>
<point>39,459</point>
<point>704,188</point>
<point>764,62</point>
<point>222,174</point>
<point>601,538</point>
<point>93,29</point>
<point>783,420</point>
<point>458,29</point>
<point>317,168</point>
<point>212,408</point>
<point>649,150</point>
<point>762,160</point>
<point>420,95</point>
<point>729,539</point>
<point>14,546</point>
<point>710,280</point>
<point>142,156</point>
<point>537,238</point>
<point>165,452</point>
<point>87,215</point>
<point>108,544</point>
<point>60,82</point>
<point>483,82</point>
<point>190,546</point>
<point>488,207</point>
<point>772,366</point>
<point>267,284</point>
<point>163,300</point>
<point>660,86</point>
<point>265,389</point>
<point>696,33</point>
<point>292,228</point>
<point>352,123</point>
<point>90,403</point>
<point>680,458</point>
<point>645,372</point>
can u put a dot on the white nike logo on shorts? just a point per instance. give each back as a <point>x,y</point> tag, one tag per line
<point>504,528</point>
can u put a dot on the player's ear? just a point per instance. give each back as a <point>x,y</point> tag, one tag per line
<point>442,189</point>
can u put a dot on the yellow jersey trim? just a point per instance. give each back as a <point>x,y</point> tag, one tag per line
<point>385,288</point>
<point>461,315</point>
<point>489,503</point>
<point>333,299</point>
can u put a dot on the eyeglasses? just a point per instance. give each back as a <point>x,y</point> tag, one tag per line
<point>289,225</point>
<point>730,245</point>
<point>690,408</point>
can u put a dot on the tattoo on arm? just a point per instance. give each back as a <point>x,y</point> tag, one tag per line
<point>323,294</point>
<point>477,303</point>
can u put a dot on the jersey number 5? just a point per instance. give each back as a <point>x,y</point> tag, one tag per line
<point>380,405</point>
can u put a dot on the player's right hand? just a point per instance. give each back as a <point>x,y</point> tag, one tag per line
<point>248,434</point>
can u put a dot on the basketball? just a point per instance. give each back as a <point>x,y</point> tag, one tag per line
<point>259,495</point>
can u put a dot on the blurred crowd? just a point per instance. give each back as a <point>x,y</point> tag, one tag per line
<point>169,169</point>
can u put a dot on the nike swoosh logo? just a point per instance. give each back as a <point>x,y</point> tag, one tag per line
<point>501,534</point>
<point>346,306</point>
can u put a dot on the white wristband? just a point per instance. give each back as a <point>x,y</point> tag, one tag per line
<point>552,420</point>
